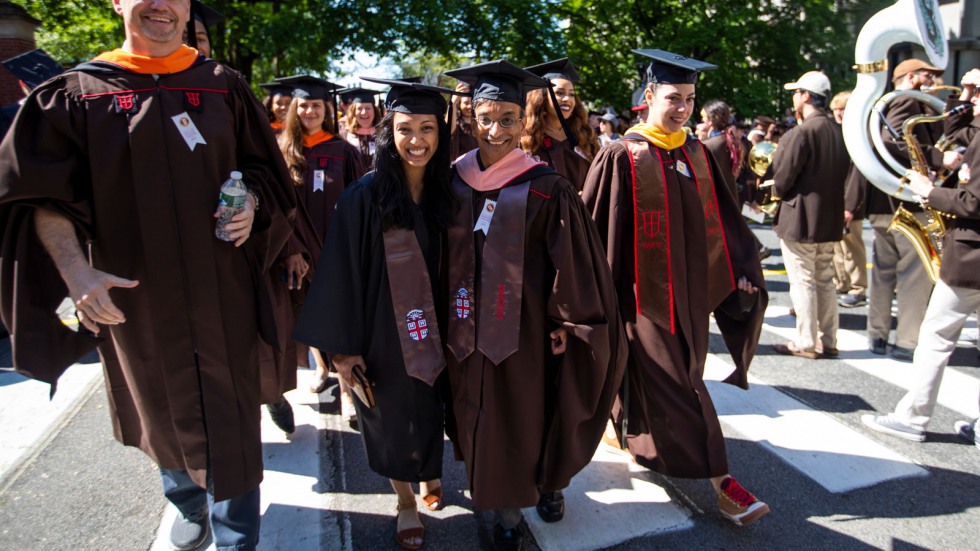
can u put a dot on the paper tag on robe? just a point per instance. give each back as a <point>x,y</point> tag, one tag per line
<point>188,130</point>
<point>372,147</point>
<point>964,174</point>
<point>682,168</point>
<point>483,223</point>
<point>318,180</point>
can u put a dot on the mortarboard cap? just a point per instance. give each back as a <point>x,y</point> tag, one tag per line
<point>413,98</point>
<point>277,88</point>
<point>33,67</point>
<point>358,95</point>
<point>417,80</point>
<point>499,80</point>
<point>307,87</point>
<point>670,68</point>
<point>206,14</point>
<point>559,68</point>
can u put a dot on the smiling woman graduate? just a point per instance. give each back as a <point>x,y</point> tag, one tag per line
<point>321,165</point>
<point>556,128</point>
<point>378,271</point>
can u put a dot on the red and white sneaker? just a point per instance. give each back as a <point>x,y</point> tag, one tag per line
<point>738,504</point>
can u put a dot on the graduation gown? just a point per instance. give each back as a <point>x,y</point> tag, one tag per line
<point>462,140</point>
<point>527,424</point>
<point>349,311</point>
<point>365,144</point>
<point>673,427</point>
<point>331,166</point>
<point>561,156</point>
<point>99,145</point>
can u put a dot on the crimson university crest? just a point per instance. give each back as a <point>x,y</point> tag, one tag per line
<point>418,328</point>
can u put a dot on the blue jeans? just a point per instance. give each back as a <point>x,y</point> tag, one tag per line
<point>234,522</point>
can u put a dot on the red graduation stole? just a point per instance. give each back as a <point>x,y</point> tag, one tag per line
<point>652,241</point>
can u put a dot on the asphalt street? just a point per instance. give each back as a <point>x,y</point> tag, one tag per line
<point>795,440</point>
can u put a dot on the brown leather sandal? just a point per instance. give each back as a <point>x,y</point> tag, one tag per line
<point>409,538</point>
<point>433,499</point>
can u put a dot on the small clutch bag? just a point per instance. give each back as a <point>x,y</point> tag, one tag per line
<point>362,386</point>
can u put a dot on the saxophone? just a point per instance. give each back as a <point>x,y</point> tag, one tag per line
<point>926,239</point>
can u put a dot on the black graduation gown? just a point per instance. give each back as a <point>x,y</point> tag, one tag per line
<point>349,311</point>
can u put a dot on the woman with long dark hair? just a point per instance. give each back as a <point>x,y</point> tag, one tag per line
<point>568,144</point>
<point>379,270</point>
<point>321,165</point>
<point>723,141</point>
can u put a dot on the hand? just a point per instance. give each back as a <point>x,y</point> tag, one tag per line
<point>89,290</point>
<point>345,365</point>
<point>744,285</point>
<point>240,226</point>
<point>919,184</point>
<point>296,269</point>
<point>952,160</point>
<point>559,338</point>
<point>848,218</point>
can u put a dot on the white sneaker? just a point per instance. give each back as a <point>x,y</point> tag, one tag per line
<point>889,425</point>
<point>966,431</point>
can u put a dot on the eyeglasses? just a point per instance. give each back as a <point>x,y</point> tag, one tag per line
<point>504,122</point>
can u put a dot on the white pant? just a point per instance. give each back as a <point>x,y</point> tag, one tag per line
<point>810,270</point>
<point>948,310</point>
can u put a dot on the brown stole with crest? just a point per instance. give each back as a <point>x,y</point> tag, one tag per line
<point>414,308</point>
<point>651,215</point>
<point>497,334</point>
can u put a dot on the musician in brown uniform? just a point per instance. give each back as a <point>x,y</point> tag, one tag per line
<point>896,269</point>
<point>957,293</point>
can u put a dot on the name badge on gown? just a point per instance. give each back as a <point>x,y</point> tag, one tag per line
<point>483,223</point>
<point>188,130</point>
<point>682,168</point>
<point>318,177</point>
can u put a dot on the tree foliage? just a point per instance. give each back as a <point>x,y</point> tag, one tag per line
<point>757,44</point>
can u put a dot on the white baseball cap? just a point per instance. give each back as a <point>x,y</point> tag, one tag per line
<point>811,81</point>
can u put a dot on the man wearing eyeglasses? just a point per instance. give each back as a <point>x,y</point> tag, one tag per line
<point>809,171</point>
<point>536,350</point>
<point>896,269</point>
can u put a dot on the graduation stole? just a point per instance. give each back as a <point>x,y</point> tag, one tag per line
<point>413,306</point>
<point>651,243</point>
<point>313,140</point>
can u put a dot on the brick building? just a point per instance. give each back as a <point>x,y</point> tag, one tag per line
<point>16,37</point>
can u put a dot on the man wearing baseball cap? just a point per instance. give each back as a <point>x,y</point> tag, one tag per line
<point>896,269</point>
<point>809,170</point>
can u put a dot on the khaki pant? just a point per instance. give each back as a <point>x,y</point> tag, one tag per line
<point>944,318</point>
<point>896,272</point>
<point>810,270</point>
<point>851,261</point>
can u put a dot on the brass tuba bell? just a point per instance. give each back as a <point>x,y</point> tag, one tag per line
<point>760,158</point>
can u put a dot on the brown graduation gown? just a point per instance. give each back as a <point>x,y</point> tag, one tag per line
<point>341,164</point>
<point>561,156</point>
<point>98,145</point>
<point>528,424</point>
<point>673,427</point>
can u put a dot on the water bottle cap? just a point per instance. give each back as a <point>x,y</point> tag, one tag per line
<point>235,175</point>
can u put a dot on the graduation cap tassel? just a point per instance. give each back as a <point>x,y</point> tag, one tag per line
<point>192,28</point>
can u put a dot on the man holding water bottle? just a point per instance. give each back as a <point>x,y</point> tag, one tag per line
<point>109,193</point>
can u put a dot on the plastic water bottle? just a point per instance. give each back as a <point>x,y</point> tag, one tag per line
<point>231,201</point>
